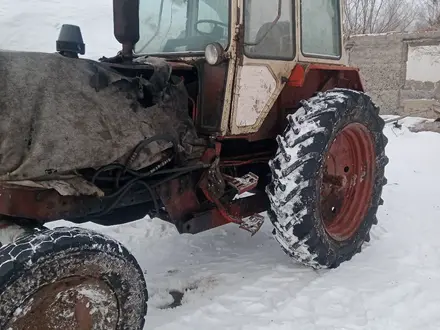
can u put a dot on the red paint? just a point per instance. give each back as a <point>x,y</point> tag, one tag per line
<point>212,153</point>
<point>179,198</point>
<point>297,76</point>
<point>347,183</point>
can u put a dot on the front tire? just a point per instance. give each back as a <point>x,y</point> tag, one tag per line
<point>70,278</point>
<point>327,178</point>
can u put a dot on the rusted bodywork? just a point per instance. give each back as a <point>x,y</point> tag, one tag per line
<point>44,205</point>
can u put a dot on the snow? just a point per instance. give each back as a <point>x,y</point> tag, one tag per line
<point>10,233</point>
<point>231,280</point>
<point>33,25</point>
<point>374,34</point>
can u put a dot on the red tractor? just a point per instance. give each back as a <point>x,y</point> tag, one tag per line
<point>207,100</point>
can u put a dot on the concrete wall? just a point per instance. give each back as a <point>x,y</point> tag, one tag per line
<point>400,71</point>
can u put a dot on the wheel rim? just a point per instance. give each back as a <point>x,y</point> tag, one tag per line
<point>347,181</point>
<point>74,303</point>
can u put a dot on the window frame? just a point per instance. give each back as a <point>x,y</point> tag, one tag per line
<point>266,57</point>
<point>322,56</point>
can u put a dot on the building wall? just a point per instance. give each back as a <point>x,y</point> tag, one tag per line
<point>400,71</point>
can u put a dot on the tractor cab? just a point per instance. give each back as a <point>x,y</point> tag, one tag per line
<point>282,30</point>
<point>246,52</point>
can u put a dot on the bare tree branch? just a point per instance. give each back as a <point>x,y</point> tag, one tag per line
<point>378,16</point>
<point>429,14</point>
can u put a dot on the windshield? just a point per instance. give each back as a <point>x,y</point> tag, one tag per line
<point>180,26</point>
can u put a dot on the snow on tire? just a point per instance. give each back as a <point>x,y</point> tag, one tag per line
<point>327,178</point>
<point>70,278</point>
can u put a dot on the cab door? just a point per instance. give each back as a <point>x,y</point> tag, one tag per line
<point>266,56</point>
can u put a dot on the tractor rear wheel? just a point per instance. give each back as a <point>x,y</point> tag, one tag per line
<point>69,278</point>
<point>327,178</point>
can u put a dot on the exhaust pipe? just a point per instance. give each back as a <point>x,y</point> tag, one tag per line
<point>126,24</point>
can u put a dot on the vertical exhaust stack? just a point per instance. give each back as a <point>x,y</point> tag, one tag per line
<point>126,24</point>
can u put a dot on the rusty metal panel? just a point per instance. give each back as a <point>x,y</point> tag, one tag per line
<point>212,88</point>
<point>179,198</point>
<point>240,208</point>
<point>46,205</point>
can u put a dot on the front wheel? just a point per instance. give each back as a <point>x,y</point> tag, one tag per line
<point>327,178</point>
<point>70,278</point>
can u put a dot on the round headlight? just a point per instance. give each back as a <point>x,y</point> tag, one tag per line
<point>214,53</point>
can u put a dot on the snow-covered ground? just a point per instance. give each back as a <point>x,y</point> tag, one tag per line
<point>233,281</point>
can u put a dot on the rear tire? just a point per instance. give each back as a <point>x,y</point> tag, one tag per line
<point>70,278</point>
<point>324,195</point>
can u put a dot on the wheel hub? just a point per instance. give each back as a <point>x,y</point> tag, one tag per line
<point>347,181</point>
<point>75,303</point>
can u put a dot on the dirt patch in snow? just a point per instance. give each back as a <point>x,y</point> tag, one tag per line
<point>176,297</point>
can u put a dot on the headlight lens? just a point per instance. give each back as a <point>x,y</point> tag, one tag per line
<point>214,53</point>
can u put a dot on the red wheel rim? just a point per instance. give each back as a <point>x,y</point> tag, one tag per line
<point>347,181</point>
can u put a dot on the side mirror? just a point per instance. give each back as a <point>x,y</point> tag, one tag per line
<point>126,24</point>
<point>70,41</point>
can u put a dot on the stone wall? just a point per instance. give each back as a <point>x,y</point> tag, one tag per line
<point>401,71</point>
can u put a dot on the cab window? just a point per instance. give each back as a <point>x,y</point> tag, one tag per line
<point>263,39</point>
<point>182,26</point>
<point>320,28</point>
